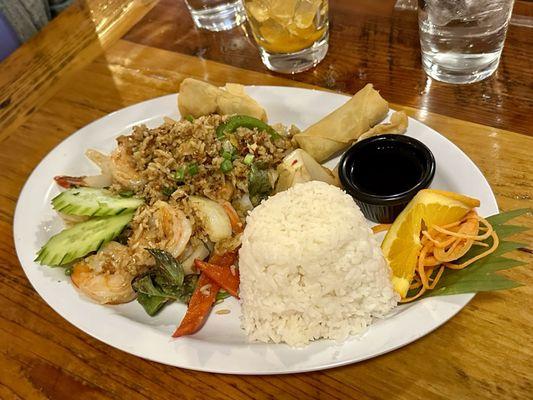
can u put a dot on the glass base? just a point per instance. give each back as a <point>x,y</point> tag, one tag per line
<point>293,63</point>
<point>220,18</point>
<point>458,75</point>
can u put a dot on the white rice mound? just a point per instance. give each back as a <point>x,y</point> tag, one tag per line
<point>311,268</point>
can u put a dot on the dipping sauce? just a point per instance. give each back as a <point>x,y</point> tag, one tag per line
<point>387,169</point>
<point>383,173</point>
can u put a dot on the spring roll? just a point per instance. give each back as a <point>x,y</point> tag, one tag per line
<point>199,98</point>
<point>397,125</point>
<point>343,126</point>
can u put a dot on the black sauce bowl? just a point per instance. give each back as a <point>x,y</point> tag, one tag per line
<point>383,173</point>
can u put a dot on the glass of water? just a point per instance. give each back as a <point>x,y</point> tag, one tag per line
<point>216,15</point>
<point>462,40</point>
<point>292,35</point>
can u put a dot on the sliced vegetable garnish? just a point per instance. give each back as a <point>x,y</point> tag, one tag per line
<point>481,275</point>
<point>226,166</point>
<point>244,121</point>
<point>94,202</point>
<point>82,239</point>
<point>226,277</point>
<point>248,159</point>
<point>193,169</point>
<point>201,302</point>
<point>179,175</point>
<point>203,298</point>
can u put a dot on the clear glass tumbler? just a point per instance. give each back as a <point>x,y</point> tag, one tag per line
<point>216,15</point>
<point>292,35</point>
<point>462,40</point>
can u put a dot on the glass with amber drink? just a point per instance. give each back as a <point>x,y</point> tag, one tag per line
<point>292,35</point>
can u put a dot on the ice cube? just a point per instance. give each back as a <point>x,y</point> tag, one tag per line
<point>258,9</point>
<point>283,10</point>
<point>442,12</point>
<point>272,31</point>
<point>306,11</point>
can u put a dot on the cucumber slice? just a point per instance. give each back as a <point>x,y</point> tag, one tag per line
<point>83,238</point>
<point>93,202</point>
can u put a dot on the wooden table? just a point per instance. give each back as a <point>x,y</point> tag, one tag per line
<point>97,57</point>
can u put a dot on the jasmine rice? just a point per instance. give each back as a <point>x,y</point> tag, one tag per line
<point>311,268</point>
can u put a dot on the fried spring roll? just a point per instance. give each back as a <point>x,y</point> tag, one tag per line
<point>199,98</point>
<point>343,126</point>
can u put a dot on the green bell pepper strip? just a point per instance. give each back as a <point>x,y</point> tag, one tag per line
<point>245,121</point>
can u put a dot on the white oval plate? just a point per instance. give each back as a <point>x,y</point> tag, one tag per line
<point>221,345</point>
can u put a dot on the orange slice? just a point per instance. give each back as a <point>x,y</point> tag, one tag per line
<point>402,246</point>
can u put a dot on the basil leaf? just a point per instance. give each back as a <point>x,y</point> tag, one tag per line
<point>259,187</point>
<point>163,283</point>
<point>170,270</point>
<point>149,296</point>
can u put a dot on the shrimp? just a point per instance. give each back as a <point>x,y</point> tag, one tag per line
<point>161,226</point>
<point>118,167</point>
<point>123,169</point>
<point>106,276</point>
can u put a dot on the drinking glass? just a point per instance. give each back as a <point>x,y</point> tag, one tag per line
<point>292,35</point>
<point>216,15</point>
<point>462,40</point>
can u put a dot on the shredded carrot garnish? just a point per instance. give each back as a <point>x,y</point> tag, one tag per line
<point>442,245</point>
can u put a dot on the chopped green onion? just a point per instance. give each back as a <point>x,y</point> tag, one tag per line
<point>248,159</point>
<point>189,118</point>
<point>167,191</point>
<point>226,166</point>
<point>193,169</point>
<point>68,271</point>
<point>179,175</point>
<point>227,155</point>
<point>126,193</point>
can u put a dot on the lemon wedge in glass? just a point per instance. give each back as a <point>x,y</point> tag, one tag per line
<point>402,246</point>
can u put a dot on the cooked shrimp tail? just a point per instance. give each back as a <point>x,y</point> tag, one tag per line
<point>69,182</point>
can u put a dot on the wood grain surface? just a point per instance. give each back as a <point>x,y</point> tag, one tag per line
<point>371,41</point>
<point>35,70</point>
<point>483,352</point>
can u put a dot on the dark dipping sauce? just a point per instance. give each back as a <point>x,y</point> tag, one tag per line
<point>383,173</point>
<point>387,169</point>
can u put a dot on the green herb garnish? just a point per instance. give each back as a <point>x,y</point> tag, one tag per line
<point>164,283</point>
<point>248,159</point>
<point>193,169</point>
<point>167,191</point>
<point>226,166</point>
<point>179,174</point>
<point>259,186</point>
<point>189,118</point>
